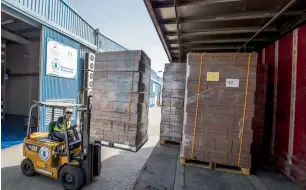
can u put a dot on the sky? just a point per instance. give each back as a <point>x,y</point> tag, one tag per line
<point>127,22</point>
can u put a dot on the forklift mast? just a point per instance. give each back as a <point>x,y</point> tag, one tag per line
<point>91,162</point>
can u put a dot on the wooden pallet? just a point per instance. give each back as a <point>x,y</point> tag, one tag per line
<point>232,169</point>
<point>167,142</point>
<point>121,146</point>
<point>214,166</point>
<point>207,165</point>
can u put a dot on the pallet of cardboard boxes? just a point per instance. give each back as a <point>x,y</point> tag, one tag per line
<point>219,109</point>
<point>173,95</point>
<point>120,99</point>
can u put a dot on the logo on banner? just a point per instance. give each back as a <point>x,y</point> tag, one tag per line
<point>56,64</point>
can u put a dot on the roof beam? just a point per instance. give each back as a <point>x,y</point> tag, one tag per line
<point>28,30</point>
<point>268,23</point>
<point>217,41</point>
<point>222,31</point>
<point>209,48</point>
<point>10,21</point>
<point>170,4</point>
<point>178,28</point>
<point>13,37</point>
<point>228,17</point>
<point>157,27</point>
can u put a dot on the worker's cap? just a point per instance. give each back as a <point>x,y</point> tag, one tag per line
<point>68,110</point>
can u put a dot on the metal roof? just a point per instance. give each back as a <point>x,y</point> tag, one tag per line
<point>222,25</point>
<point>50,14</point>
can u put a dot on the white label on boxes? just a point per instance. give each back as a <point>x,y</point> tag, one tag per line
<point>232,83</point>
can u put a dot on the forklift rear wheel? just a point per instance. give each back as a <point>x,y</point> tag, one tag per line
<point>27,167</point>
<point>71,177</point>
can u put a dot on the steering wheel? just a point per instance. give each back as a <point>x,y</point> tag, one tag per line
<point>74,132</point>
<point>73,127</point>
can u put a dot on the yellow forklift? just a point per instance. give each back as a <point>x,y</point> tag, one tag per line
<point>75,161</point>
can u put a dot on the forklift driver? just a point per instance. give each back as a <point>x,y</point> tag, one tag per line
<point>58,128</point>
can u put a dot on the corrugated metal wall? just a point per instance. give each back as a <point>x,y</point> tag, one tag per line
<point>155,88</point>
<point>283,97</point>
<point>289,58</point>
<point>56,87</point>
<point>299,145</point>
<point>155,77</point>
<point>105,44</point>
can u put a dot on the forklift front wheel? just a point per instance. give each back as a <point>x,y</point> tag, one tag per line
<point>71,177</point>
<point>27,167</point>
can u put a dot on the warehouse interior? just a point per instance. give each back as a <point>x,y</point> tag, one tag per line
<point>20,57</point>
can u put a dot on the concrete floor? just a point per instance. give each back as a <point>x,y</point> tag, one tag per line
<point>120,169</point>
<point>163,172</point>
<point>160,170</point>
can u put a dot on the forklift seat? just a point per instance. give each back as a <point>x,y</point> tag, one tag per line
<point>51,135</point>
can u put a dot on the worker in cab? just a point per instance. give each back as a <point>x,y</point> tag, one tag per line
<point>58,128</point>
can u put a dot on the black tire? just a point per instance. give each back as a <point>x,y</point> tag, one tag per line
<point>71,177</point>
<point>27,167</point>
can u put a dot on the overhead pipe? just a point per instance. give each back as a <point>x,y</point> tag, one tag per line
<point>267,24</point>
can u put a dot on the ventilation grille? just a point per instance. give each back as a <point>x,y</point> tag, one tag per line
<point>57,112</point>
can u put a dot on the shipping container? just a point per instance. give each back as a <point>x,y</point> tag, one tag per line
<point>276,32</point>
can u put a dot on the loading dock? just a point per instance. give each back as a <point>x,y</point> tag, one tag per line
<point>276,31</point>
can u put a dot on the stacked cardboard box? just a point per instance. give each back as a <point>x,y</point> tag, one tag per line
<point>173,95</point>
<point>120,97</point>
<point>222,105</point>
<point>258,126</point>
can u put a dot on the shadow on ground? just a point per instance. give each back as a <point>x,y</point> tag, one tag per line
<point>159,172</point>
<point>164,172</point>
<point>118,172</point>
<point>196,178</point>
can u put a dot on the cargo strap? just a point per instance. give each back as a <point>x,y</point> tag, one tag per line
<point>130,102</point>
<point>169,126</point>
<point>244,110</point>
<point>170,113</point>
<point>197,106</point>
